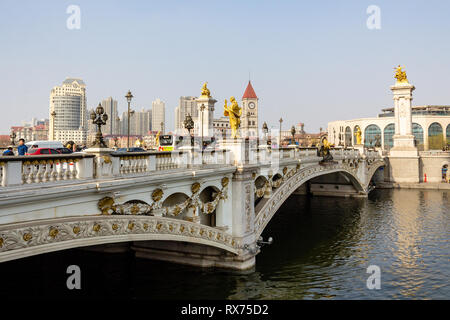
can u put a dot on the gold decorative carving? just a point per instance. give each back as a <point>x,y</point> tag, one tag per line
<point>157,195</point>
<point>225,181</point>
<point>76,230</point>
<point>53,232</point>
<point>195,187</point>
<point>106,205</point>
<point>107,159</point>
<point>96,227</point>
<point>27,237</point>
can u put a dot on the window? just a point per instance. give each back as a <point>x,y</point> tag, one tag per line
<point>45,151</point>
<point>417,131</point>
<point>435,137</point>
<point>348,136</point>
<point>389,131</point>
<point>372,136</point>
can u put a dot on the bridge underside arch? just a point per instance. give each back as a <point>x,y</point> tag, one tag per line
<point>335,184</point>
<point>318,174</point>
<point>21,240</point>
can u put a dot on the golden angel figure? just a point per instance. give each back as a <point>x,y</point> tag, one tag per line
<point>358,135</point>
<point>234,112</point>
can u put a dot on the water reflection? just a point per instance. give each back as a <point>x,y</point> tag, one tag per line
<point>321,250</point>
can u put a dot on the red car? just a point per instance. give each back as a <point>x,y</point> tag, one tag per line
<point>41,151</point>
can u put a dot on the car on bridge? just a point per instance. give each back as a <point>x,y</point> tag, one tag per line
<point>64,150</point>
<point>134,149</point>
<point>41,151</point>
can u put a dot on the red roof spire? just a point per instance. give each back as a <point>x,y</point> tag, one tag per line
<point>249,92</point>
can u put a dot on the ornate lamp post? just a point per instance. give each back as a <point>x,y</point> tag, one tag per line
<point>293,134</point>
<point>279,143</point>
<point>129,96</point>
<point>99,117</point>
<point>265,130</point>
<point>189,125</point>
<point>12,136</point>
<point>202,108</point>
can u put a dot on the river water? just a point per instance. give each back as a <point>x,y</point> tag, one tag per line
<point>322,248</point>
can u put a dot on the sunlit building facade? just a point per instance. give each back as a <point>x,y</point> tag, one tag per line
<point>430,127</point>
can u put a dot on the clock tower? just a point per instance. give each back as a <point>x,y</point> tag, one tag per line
<point>249,118</point>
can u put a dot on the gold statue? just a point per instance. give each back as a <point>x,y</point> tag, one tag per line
<point>205,91</point>
<point>323,149</point>
<point>234,112</point>
<point>400,75</point>
<point>358,135</point>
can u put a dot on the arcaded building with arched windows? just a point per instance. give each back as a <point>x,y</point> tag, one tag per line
<point>430,127</point>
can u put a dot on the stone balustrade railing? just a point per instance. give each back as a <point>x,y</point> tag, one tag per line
<point>24,170</point>
<point>29,170</point>
<point>434,153</point>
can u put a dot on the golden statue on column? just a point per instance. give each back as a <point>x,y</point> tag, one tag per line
<point>234,112</point>
<point>205,91</point>
<point>400,75</point>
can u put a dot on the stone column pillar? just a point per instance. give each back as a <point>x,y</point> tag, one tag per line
<point>103,164</point>
<point>205,120</point>
<point>403,137</point>
<point>403,157</point>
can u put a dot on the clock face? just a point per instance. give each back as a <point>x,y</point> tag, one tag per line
<point>251,105</point>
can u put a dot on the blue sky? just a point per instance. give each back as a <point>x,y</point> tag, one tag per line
<point>310,61</point>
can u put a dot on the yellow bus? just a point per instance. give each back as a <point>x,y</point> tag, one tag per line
<point>166,142</point>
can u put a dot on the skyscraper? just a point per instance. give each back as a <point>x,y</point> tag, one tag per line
<point>158,115</point>
<point>140,122</point>
<point>112,126</point>
<point>68,113</point>
<point>188,105</point>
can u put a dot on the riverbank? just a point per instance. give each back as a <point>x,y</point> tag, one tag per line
<point>421,185</point>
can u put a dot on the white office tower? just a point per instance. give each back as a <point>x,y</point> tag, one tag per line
<point>112,125</point>
<point>158,116</point>
<point>187,106</point>
<point>68,112</point>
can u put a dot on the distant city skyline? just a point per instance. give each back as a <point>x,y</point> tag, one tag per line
<point>310,62</point>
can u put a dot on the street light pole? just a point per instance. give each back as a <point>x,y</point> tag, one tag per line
<point>279,143</point>
<point>202,107</point>
<point>53,114</point>
<point>129,96</point>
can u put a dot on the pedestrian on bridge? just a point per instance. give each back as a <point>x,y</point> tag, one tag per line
<point>22,149</point>
<point>8,152</point>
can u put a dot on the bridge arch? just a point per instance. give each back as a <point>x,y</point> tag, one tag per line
<point>22,239</point>
<point>279,195</point>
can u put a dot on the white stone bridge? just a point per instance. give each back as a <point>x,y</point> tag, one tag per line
<point>202,209</point>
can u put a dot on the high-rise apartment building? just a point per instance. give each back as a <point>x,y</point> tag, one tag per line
<point>112,125</point>
<point>68,112</point>
<point>140,122</point>
<point>188,105</point>
<point>158,115</point>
